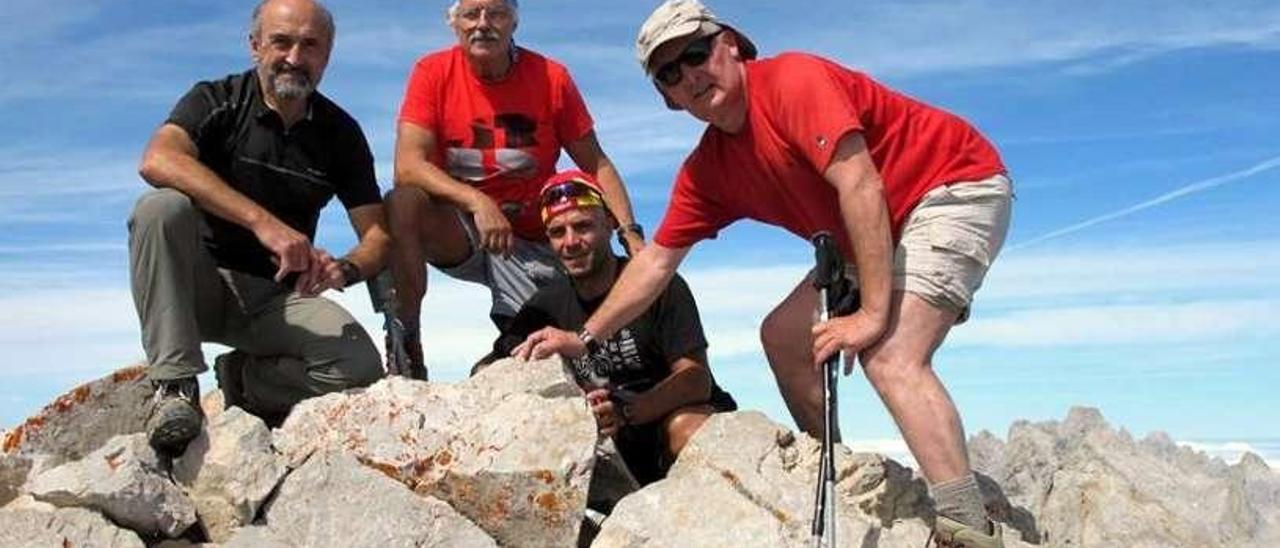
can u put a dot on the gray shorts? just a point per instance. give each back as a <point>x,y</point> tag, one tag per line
<point>949,241</point>
<point>512,279</point>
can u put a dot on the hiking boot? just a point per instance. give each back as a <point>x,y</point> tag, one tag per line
<point>949,533</point>
<point>175,415</point>
<point>228,369</point>
<point>415,368</point>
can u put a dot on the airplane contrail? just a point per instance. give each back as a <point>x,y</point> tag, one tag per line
<point>1198,186</point>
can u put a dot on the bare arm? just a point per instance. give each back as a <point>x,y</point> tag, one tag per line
<point>370,253</point>
<point>589,157</point>
<point>866,218</point>
<point>641,282</point>
<point>689,383</point>
<point>416,166</point>
<point>172,160</point>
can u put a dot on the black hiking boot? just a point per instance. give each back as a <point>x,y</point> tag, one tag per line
<point>414,367</point>
<point>175,415</point>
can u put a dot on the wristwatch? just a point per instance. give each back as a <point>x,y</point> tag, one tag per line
<point>631,227</point>
<point>588,340</point>
<point>626,413</point>
<point>350,272</point>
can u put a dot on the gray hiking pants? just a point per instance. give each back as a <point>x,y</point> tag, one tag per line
<point>294,347</point>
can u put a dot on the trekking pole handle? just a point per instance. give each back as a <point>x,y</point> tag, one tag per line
<point>829,263</point>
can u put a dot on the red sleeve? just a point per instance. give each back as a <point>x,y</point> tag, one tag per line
<point>420,102</point>
<point>693,213</point>
<point>811,108</point>
<point>572,121</point>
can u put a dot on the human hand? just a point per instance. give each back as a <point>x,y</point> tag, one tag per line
<point>290,249</point>
<point>547,341</point>
<point>608,415</point>
<point>493,226</point>
<point>324,273</point>
<point>850,334</point>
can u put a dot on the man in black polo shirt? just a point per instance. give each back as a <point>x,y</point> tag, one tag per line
<point>222,250</point>
<point>648,384</point>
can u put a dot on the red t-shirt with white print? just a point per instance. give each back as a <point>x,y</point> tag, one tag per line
<point>503,137</point>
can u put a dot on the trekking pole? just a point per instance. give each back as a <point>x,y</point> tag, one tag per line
<point>382,293</point>
<point>828,279</point>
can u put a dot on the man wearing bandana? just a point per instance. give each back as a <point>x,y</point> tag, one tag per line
<point>648,384</point>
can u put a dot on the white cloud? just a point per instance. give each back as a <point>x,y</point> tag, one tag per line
<point>1232,451</point>
<point>922,37</point>
<point>1106,325</point>
<point>1182,191</point>
<point>1118,273</point>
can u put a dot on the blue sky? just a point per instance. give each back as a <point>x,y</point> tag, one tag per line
<point>1139,276</point>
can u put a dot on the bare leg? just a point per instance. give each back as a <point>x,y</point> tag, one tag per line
<point>682,424</point>
<point>788,344</point>
<point>900,368</point>
<point>422,231</point>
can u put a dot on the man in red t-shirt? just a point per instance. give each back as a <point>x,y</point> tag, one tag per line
<point>917,199</point>
<point>481,128</point>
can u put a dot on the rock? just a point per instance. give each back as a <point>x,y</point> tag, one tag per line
<point>746,481</point>
<point>182,543</point>
<point>547,378</point>
<point>257,537</point>
<point>229,471</point>
<point>1090,485</point>
<point>28,502</point>
<point>80,421</point>
<point>517,465</point>
<point>125,481</point>
<point>62,527</point>
<point>14,470</point>
<point>212,403</point>
<point>334,497</point>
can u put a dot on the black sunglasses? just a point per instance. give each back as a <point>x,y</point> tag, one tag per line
<point>694,55</point>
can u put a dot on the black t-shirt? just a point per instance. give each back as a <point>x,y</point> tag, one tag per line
<point>292,173</point>
<point>639,355</point>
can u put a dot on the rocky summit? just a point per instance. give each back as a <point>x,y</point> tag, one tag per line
<point>511,458</point>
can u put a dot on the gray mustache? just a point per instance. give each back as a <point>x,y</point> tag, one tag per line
<point>479,35</point>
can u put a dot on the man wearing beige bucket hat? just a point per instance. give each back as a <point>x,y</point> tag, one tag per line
<point>915,197</point>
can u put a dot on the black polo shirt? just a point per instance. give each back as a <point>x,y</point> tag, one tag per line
<point>292,173</point>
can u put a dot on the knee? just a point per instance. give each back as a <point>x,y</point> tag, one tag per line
<point>889,371</point>
<point>781,338</point>
<point>681,425</point>
<point>364,366</point>
<point>162,206</point>
<point>404,205</point>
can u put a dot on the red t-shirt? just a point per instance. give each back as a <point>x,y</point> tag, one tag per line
<point>504,137</point>
<point>799,107</point>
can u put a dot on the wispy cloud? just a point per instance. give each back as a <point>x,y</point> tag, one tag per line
<point>922,37</point>
<point>1185,190</point>
<point>1107,325</point>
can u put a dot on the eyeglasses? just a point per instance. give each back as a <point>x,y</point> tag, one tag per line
<point>694,55</point>
<point>495,13</point>
<point>566,191</point>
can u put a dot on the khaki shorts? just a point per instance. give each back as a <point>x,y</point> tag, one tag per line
<point>949,241</point>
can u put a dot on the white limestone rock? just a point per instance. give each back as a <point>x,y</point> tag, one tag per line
<point>333,499</point>
<point>229,471</point>
<point>125,481</point>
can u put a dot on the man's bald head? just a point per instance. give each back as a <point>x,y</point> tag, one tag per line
<point>321,12</point>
